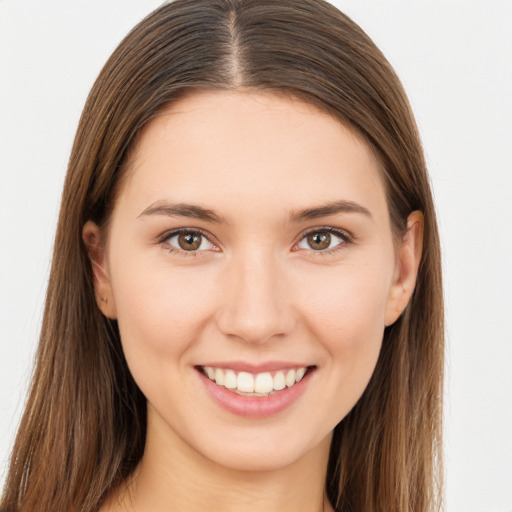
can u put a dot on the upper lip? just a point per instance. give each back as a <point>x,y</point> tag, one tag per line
<point>242,366</point>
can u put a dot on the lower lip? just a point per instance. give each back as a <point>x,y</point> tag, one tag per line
<point>252,406</point>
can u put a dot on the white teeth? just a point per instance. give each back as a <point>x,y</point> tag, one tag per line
<point>260,384</point>
<point>245,382</point>
<point>290,378</point>
<point>219,377</point>
<point>299,374</point>
<point>279,382</point>
<point>264,383</point>
<point>230,380</point>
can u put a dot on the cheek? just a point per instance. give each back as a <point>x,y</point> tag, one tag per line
<point>348,320</point>
<point>161,310</point>
<point>347,316</point>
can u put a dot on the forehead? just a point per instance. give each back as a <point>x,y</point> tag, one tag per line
<point>257,147</point>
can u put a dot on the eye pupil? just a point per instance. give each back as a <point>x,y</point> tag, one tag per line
<point>319,241</point>
<point>189,241</point>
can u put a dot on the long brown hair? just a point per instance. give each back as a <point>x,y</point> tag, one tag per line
<point>83,430</point>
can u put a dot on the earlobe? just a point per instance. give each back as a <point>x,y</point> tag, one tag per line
<point>406,271</point>
<point>91,235</point>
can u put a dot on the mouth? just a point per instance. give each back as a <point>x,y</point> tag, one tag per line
<point>263,384</point>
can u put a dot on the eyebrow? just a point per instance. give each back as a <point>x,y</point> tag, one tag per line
<point>198,212</point>
<point>328,209</point>
<point>183,210</point>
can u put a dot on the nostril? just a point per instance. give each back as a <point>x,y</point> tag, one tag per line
<point>259,329</point>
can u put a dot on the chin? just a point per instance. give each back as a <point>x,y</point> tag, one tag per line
<point>264,452</point>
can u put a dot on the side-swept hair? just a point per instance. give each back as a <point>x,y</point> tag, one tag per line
<point>84,426</point>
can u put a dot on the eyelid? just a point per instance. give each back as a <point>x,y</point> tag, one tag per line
<point>164,238</point>
<point>345,235</point>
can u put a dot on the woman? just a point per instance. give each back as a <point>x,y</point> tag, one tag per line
<point>245,309</point>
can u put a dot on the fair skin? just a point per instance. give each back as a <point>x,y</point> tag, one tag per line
<point>285,261</point>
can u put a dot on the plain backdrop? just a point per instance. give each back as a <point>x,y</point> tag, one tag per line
<point>455,60</point>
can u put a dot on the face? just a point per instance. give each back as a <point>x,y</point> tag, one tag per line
<point>251,267</point>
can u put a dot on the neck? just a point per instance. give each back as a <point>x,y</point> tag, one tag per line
<point>173,476</point>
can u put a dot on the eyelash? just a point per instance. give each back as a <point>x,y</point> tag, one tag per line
<point>346,238</point>
<point>164,239</point>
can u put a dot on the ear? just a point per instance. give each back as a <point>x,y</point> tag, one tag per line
<point>91,235</point>
<point>406,270</point>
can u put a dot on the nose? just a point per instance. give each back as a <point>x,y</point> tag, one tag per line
<point>257,305</point>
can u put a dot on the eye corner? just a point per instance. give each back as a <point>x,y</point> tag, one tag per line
<point>201,242</point>
<point>324,243</point>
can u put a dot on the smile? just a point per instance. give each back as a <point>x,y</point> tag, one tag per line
<point>259,384</point>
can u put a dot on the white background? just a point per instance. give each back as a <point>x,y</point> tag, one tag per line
<point>455,60</point>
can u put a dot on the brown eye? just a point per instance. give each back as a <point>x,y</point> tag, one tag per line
<point>324,240</point>
<point>188,241</point>
<point>319,241</point>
